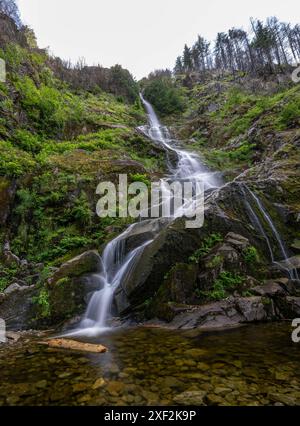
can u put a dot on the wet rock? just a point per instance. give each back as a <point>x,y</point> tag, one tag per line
<point>12,337</point>
<point>196,353</point>
<point>99,383</point>
<point>286,399</point>
<point>219,390</point>
<point>10,259</point>
<point>42,384</point>
<point>18,308</point>
<point>80,387</point>
<point>170,382</point>
<point>213,399</point>
<point>87,262</point>
<point>190,398</point>
<point>296,245</point>
<point>291,263</point>
<point>14,287</point>
<point>252,308</point>
<point>70,286</point>
<point>237,240</point>
<point>288,307</point>
<point>114,388</point>
<point>270,289</point>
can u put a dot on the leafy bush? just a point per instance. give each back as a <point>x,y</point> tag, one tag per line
<point>207,245</point>
<point>7,274</point>
<point>81,211</point>
<point>251,255</point>
<point>42,300</point>
<point>139,177</point>
<point>164,96</point>
<point>225,283</point>
<point>290,115</point>
<point>14,162</point>
<point>27,141</point>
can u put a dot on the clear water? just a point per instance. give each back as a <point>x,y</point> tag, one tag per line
<point>253,365</point>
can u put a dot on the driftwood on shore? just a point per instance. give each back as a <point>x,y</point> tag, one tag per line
<point>74,345</point>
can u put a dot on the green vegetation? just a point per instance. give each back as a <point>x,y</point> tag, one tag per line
<point>165,96</point>
<point>42,301</point>
<point>251,255</point>
<point>139,177</point>
<point>7,274</point>
<point>58,140</point>
<point>207,245</point>
<point>226,282</point>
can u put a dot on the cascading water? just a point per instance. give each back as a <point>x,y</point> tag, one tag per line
<point>116,263</point>
<point>291,271</point>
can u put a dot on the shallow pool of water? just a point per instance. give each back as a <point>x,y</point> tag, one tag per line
<point>251,365</point>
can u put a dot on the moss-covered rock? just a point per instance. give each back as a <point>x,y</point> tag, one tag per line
<point>86,262</point>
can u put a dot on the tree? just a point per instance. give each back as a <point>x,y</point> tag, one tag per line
<point>187,59</point>
<point>272,46</point>
<point>10,8</point>
<point>202,48</point>
<point>178,69</point>
<point>164,95</point>
<point>264,41</point>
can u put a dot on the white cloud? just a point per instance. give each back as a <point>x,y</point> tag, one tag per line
<point>141,35</point>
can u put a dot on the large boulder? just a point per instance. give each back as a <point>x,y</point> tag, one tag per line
<point>70,285</point>
<point>17,307</point>
<point>87,262</point>
<point>231,312</point>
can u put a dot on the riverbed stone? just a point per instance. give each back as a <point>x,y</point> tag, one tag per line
<point>190,398</point>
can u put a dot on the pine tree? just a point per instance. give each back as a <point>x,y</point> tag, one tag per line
<point>178,69</point>
<point>187,59</point>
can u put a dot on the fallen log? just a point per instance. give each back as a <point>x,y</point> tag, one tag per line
<point>74,345</point>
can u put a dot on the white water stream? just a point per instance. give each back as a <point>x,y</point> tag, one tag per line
<point>116,265</point>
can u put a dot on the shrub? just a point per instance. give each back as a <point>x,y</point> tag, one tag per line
<point>42,300</point>
<point>222,286</point>
<point>27,141</point>
<point>206,247</point>
<point>14,162</point>
<point>164,96</point>
<point>251,255</point>
<point>290,114</point>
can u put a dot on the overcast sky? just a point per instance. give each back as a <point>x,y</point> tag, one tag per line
<point>141,35</point>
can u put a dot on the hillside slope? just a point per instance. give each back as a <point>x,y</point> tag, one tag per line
<point>58,140</point>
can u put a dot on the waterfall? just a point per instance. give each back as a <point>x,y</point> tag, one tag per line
<point>291,271</point>
<point>117,265</point>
